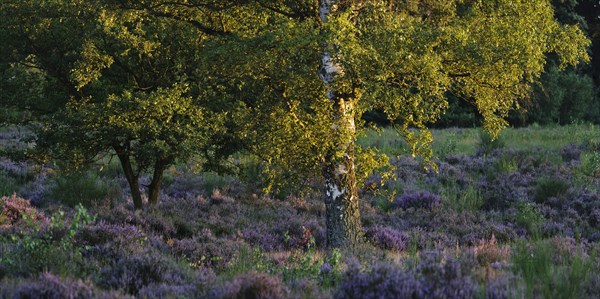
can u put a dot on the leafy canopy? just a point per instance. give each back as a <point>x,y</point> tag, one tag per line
<point>401,57</point>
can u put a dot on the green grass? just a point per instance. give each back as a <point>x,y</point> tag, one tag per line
<point>83,188</point>
<point>468,199</point>
<point>8,184</point>
<point>542,274</point>
<point>467,141</point>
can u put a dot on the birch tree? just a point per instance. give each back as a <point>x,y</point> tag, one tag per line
<point>401,57</point>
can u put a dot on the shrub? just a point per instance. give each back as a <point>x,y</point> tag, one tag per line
<point>530,218</point>
<point>190,186</point>
<point>8,184</point>
<point>252,285</point>
<point>81,188</point>
<point>466,199</point>
<point>566,97</point>
<point>13,208</point>
<point>166,290</point>
<point>544,276</point>
<point>132,273</point>
<point>422,199</point>
<point>590,164</point>
<point>383,281</point>
<point>503,287</point>
<point>266,240</point>
<point>488,252</point>
<point>383,203</point>
<point>447,277</point>
<point>115,234</point>
<point>45,248</point>
<point>207,250</point>
<point>388,238</point>
<point>549,187</point>
<point>504,190</point>
<point>303,234</point>
<point>570,152</point>
<point>488,144</point>
<point>49,286</point>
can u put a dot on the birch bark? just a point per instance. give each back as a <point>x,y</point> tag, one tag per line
<point>341,194</point>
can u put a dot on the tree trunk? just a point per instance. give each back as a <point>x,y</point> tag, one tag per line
<point>341,194</point>
<point>132,179</point>
<point>157,178</point>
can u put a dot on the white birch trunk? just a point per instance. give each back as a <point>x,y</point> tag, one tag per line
<point>341,194</point>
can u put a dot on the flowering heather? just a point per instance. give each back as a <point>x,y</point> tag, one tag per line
<point>504,190</point>
<point>446,277</point>
<point>49,286</point>
<point>167,290</point>
<point>36,189</point>
<point>207,250</point>
<point>451,174</point>
<point>202,237</point>
<point>132,273</point>
<point>325,268</point>
<point>471,164</point>
<point>252,285</point>
<point>571,152</point>
<point>421,199</point>
<point>13,208</point>
<point>408,170</point>
<point>388,238</point>
<point>185,187</point>
<point>299,234</point>
<point>266,240</point>
<point>383,281</point>
<point>103,232</point>
<point>503,287</point>
<point>20,169</point>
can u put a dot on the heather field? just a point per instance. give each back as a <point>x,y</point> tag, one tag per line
<point>516,217</point>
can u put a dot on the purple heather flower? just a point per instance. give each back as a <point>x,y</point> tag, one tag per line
<point>325,268</point>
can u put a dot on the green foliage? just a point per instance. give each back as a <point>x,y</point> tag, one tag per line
<point>529,217</point>
<point>564,97</point>
<point>113,80</point>
<point>394,60</point>
<point>297,266</point>
<point>507,164</point>
<point>39,249</point>
<point>446,147</point>
<point>83,188</point>
<point>155,82</point>
<point>468,199</point>
<point>488,142</point>
<point>22,93</point>
<point>541,273</point>
<point>383,203</point>
<point>213,181</point>
<point>590,164</point>
<point>460,113</point>
<point>550,187</point>
<point>8,184</point>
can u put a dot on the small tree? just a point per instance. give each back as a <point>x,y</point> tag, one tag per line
<point>124,86</point>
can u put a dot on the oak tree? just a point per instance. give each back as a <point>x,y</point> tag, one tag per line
<point>123,85</point>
